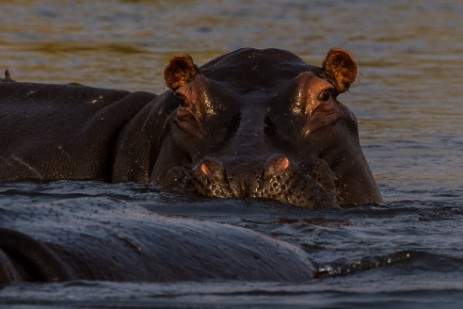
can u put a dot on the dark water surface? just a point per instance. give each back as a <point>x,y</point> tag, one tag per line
<point>407,252</point>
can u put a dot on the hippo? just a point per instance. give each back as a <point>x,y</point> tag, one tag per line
<point>253,123</point>
<point>48,243</point>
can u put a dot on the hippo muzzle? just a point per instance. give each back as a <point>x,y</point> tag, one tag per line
<point>303,185</point>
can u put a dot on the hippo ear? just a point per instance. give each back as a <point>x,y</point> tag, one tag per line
<point>341,68</point>
<point>179,71</point>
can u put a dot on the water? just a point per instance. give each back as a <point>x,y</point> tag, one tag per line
<point>407,252</point>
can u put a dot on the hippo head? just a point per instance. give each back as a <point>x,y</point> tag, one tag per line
<point>263,124</point>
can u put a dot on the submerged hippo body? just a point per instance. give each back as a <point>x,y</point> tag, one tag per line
<point>43,243</point>
<point>251,123</point>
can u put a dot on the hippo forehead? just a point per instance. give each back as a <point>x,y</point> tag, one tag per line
<point>249,69</point>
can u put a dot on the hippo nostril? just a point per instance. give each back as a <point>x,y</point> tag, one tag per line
<point>281,165</point>
<point>275,164</point>
<point>211,168</point>
<point>204,169</point>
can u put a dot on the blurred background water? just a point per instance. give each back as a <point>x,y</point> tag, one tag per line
<point>408,100</point>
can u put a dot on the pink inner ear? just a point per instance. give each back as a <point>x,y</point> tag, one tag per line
<point>341,66</point>
<point>179,71</point>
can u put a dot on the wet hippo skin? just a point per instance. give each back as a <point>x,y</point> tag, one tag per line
<point>42,243</point>
<point>249,124</point>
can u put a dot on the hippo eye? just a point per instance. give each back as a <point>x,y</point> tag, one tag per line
<point>183,112</point>
<point>325,95</point>
<point>181,97</point>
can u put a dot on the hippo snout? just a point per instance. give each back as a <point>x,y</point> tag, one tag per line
<point>308,185</point>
